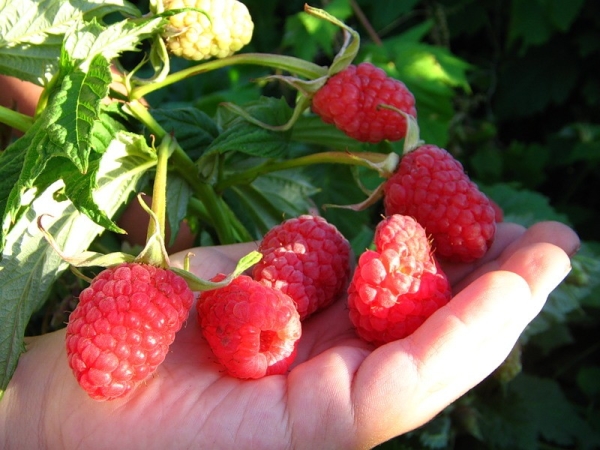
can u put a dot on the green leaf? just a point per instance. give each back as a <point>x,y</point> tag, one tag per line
<point>178,196</point>
<point>534,21</point>
<point>522,206</point>
<point>77,108</point>
<point>239,135</point>
<point>64,130</point>
<point>539,78</point>
<point>553,415</point>
<point>270,199</point>
<point>30,42</point>
<point>436,433</point>
<point>30,266</point>
<point>193,129</point>
<point>312,130</point>
<point>86,41</point>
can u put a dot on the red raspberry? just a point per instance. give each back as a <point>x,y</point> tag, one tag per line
<point>121,330</point>
<point>396,288</point>
<point>350,100</point>
<point>431,186</point>
<point>252,329</point>
<point>306,258</point>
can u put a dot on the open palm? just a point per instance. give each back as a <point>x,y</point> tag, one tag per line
<point>340,393</point>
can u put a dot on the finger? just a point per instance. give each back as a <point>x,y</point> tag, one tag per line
<point>554,233</point>
<point>406,383</point>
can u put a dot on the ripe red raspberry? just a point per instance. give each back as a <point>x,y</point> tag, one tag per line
<point>252,329</point>
<point>431,186</point>
<point>350,100</point>
<point>396,288</point>
<point>121,330</point>
<point>306,258</point>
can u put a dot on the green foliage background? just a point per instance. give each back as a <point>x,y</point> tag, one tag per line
<point>508,86</point>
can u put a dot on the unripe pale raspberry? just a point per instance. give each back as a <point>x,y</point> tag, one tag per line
<point>351,101</point>
<point>252,329</point>
<point>122,328</point>
<point>308,259</point>
<point>193,35</point>
<point>397,287</point>
<point>431,186</point>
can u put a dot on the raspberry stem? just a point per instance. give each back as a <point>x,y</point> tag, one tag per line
<point>14,119</point>
<point>383,163</point>
<point>281,62</point>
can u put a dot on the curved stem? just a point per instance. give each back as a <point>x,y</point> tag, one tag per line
<point>282,62</point>
<point>14,119</point>
<point>364,159</point>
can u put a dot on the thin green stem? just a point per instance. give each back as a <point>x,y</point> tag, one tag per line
<point>159,190</point>
<point>365,159</point>
<point>281,62</point>
<point>14,119</point>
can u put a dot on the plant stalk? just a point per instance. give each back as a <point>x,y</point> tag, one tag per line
<point>287,63</point>
<point>14,119</point>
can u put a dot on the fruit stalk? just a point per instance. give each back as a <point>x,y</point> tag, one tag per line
<point>14,119</point>
<point>281,62</point>
<point>383,163</point>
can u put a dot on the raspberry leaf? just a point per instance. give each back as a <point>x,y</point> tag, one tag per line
<point>30,42</point>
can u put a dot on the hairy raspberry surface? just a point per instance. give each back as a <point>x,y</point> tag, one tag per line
<point>431,186</point>
<point>252,329</point>
<point>121,330</point>
<point>397,287</point>
<point>306,258</point>
<point>225,28</point>
<point>351,98</point>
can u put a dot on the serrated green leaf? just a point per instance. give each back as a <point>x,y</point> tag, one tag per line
<point>288,190</point>
<point>77,108</point>
<point>553,415</point>
<point>193,129</point>
<point>30,266</point>
<point>87,40</point>
<point>239,135</point>
<point>30,42</point>
<point>312,130</point>
<point>63,130</point>
<point>255,209</point>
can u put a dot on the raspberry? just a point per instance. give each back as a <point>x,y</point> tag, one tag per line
<point>121,330</point>
<point>252,329</point>
<point>350,100</point>
<point>193,35</point>
<point>431,186</point>
<point>397,287</point>
<point>306,258</point>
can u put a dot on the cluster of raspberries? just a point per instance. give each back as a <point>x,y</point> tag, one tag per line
<point>127,318</point>
<point>429,183</point>
<point>253,324</point>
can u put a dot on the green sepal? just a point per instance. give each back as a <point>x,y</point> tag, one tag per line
<point>87,258</point>
<point>199,284</point>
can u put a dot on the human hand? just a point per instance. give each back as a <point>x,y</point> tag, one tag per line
<point>340,392</point>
